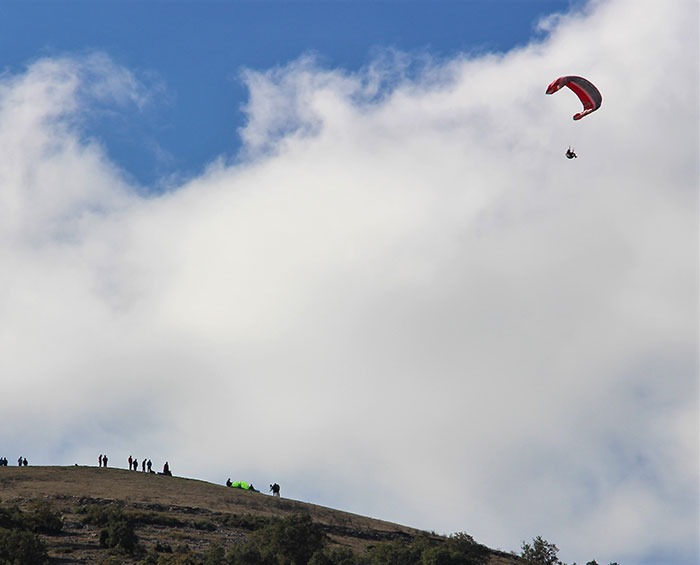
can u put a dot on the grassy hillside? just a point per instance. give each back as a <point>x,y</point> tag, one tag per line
<point>179,520</point>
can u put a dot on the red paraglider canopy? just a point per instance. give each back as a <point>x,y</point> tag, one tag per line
<point>588,94</point>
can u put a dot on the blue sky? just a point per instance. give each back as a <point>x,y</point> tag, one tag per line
<point>195,51</point>
<point>349,229</point>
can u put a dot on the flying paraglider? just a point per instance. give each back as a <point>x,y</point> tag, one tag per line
<point>586,91</point>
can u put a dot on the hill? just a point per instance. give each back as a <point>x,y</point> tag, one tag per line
<point>174,515</point>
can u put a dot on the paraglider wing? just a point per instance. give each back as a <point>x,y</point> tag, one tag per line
<point>586,91</point>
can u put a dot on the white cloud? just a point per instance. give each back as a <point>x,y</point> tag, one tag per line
<point>406,302</point>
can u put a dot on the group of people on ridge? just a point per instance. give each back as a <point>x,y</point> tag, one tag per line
<point>134,465</point>
<point>21,462</point>
<point>146,465</point>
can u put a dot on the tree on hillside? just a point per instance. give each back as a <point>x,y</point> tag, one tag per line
<point>540,552</point>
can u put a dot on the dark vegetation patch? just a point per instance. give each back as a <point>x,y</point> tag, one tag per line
<point>19,532</point>
<point>295,539</point>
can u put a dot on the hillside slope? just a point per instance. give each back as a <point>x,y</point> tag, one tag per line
<point>175,512</point>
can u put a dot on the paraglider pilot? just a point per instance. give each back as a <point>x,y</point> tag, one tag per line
<point>570,154</point>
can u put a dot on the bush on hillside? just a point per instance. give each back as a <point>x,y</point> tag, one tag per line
<point>18,540</point>
<point>117,532</point>
<point>181,556</point>
<point>96,515</point>
<point>215,555</point>
<point>394,552</point>
<point>12,518</point>
<point>458,549</point>
<point>44,519</point>
<point>289,541</point>
<point>204,525</point>
<point>296,540</point>
<point>17,546</point>
<point>336,556</point>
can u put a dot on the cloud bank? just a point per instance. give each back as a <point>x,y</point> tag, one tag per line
<point>399,300</point>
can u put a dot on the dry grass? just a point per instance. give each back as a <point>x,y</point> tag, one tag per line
<point>32,483</point>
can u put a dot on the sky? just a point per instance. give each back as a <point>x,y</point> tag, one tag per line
<point>338,246</point>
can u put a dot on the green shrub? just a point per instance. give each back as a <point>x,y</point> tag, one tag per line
<point>119,534</point>
<point>44,519</point>
<point>290,541</point>
<point>248,554</point>
<point>205,525</point>
<point>441,555</point>
<point>458,549</point>
<point>169,559</point>
<point>296,540</point>
<point>13,518</point>
<point>99,515</point>
<point>336,556</point>
<point>393,553</point>
<point>215,555</point>
<point>117,527</point>
<point>18,540</point>
<point>18,546</point>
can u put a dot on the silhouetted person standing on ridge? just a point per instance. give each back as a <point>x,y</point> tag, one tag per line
<point>104,460</point>
<point>143,466</point>
<point>99,461</point>
<point>149,464</point>
<point>131,467</point>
